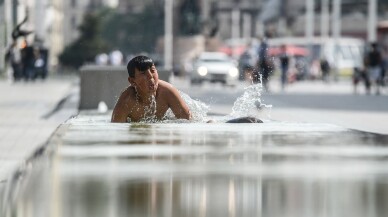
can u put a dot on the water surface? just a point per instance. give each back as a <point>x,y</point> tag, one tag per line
<point>91,167</point>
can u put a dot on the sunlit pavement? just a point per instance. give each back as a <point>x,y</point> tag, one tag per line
<point>28,117</point>
<point>305,101</point>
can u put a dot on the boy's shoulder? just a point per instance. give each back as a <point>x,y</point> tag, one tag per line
<point>165,87</point>
<point>127,95</point>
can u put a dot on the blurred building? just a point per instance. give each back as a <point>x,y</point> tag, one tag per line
<point>75,11</point>
<point>56,22</point>
<point>135,6</point>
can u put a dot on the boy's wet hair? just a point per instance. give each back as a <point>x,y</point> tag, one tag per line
<point>141,63</point>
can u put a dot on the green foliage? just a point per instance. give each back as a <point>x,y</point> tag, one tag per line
<point>127,32</point>
<point>87,46</point>
<point>133,32</point>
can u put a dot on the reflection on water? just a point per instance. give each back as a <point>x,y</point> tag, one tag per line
<point>95,168</point>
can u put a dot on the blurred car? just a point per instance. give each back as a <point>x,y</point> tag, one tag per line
<point>214,67</point>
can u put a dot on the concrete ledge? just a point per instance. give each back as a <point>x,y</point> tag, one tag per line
<point>105,83</point>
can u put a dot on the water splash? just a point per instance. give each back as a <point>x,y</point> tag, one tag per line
<point>249,103</point>
<point>197,108</point>
<point>150,112</point>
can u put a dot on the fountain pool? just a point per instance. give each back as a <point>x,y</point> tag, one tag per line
<point>91,167</point>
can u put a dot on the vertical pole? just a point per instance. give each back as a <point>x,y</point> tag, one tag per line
<point>5,31</point>
<point>205,10</point>
<point>325,19</point>
<point>309,31</point>
<point>260,28</point>
<point>336,35</point>
<point>235,27</point>
<point>282,24</point>
<point>247,26</point>
<point>309,28</point>
<point>336,19</point>
<point>235,23</point>
<point>372,20</point>
<point>168,34</point>
<point>2,36</point>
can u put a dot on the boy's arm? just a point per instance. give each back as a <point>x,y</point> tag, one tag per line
<point>120,111</point>
<point>177,104</point>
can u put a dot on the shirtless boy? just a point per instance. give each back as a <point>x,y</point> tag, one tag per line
<point>147,96</point>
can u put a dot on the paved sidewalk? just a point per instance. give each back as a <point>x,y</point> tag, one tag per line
<point>27,117</point>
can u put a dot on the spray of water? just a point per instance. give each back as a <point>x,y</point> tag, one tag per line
<point>249,103</point>
<point>197,108</point>
<point>150,112</point>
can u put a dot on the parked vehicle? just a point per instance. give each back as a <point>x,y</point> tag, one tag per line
<point>214,67</point>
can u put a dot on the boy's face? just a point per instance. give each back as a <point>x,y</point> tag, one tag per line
<point>145,81</point>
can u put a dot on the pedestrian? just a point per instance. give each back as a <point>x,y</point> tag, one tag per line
<point>325,69</point>
<point>14,58</point>
<point>40,69</point>
<point>284,59</point>
<point>246,65</point>
<point>28,62</point>
<point>360,75</point>
<point>116,58</point>
<point>264,65</point>
<point>374,63</point>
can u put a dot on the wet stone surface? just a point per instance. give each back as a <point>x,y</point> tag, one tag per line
<point>95,168</point>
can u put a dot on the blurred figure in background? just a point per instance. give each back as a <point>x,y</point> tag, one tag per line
<point>248,61</point>
<point>40,63</point>
<point>28,62</point>
<point>102,59</point>
<point>315,69</point>
<point>14,58</point>
<point>374,63</point>
<point>265,65</point>
<point>384,66</point>
<point>360,75</point>
<point>116,58</point>
<point>325,69</point>
<point>284,59</point>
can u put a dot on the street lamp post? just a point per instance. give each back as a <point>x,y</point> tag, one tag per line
<point>5,24</point>
<point>168,34</point>
<point>309,31</point>
<point>372,19</point>
<point>336,34</point>
<point>325,19</point>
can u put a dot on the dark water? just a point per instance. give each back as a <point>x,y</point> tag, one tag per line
<point>94,168</point>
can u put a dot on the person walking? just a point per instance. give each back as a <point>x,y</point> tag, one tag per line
<point>14,57</point>
<point>284,59</point>
<point>264,65</point>
<point>374,63</point>
<point>325,69</point>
